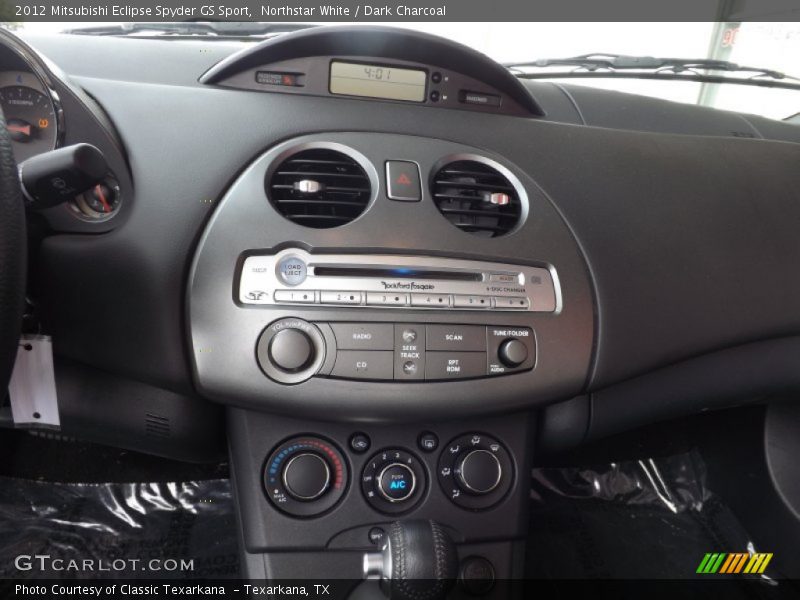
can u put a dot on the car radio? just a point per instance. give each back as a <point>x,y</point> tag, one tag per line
<point>291,350</point>
<point>295,277</point>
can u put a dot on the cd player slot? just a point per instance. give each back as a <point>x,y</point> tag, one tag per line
<point>396,273</point>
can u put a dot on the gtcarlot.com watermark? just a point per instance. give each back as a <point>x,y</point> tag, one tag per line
<point>47,563</point>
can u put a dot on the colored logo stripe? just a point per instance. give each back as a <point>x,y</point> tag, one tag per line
<point>723,562</point>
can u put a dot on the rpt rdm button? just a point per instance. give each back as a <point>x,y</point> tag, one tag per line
<point>455,365</point>
<point>364,364</point>
<point>364,336</point>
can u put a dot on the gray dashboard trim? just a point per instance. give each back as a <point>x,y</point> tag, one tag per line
<point>223,333</point>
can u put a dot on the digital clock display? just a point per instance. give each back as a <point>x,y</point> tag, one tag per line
<point>376,81</point>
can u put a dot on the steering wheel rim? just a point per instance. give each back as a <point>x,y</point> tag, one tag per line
<point>13,247</point>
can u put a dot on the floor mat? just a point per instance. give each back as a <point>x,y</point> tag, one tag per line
<point>644,519</point>
<point>117,530</point>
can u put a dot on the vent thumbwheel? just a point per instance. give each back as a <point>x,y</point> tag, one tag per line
<point>476,198</point>
<point>319,188</point>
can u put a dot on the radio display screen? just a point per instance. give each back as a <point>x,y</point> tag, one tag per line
<point>376,81</point>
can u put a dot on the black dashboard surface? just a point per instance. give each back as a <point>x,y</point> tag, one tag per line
<point>686,217</point>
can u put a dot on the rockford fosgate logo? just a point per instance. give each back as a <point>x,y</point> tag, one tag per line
<point>406,285</point>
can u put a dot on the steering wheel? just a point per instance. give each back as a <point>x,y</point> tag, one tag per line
<point>13,245</point>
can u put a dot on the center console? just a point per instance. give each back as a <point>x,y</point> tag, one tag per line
<point>382,315</point>
<point>333,489</point>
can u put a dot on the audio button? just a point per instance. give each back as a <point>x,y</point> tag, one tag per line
<point>363,364</point>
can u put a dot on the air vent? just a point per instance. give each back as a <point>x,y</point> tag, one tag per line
<point>476,198</point>
<point>320,188</point>
<point>156,425</point>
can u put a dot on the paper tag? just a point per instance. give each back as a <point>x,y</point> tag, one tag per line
<point>33,384</point>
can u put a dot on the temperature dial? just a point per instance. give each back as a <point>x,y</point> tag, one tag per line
<point>305,476</point>
<point>475,471</point>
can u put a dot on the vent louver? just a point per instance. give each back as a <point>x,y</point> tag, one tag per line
<point>319,188</point>
<point>476,198</point>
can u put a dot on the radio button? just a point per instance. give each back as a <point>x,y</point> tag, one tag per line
<point>512,302</point>
<point>363,364</point>
<point>464,301</point>
<point>385,299</point>
<point>364,336</point>
<point>431,300</point>
<point>466,338</point>
<point>455,365</point>
<point>340,297</point>
<point>409,351</point>
<point>295,296</point>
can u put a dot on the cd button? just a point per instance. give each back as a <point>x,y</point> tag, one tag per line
<point>340,297</point>
<point>430,300</point>
<point>363,364</point>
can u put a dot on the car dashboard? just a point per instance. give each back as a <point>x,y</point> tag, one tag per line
<point>400,271</point>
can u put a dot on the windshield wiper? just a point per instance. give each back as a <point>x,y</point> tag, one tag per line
<point>225,29</point>
<point>650,67</point>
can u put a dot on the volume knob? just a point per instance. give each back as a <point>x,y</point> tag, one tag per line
<point>291,350</point>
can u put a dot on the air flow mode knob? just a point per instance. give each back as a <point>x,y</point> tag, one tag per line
<point>479,472</point>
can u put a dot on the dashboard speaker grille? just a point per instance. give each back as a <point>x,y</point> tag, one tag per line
<point>476,198</point>
<point>319,188</point>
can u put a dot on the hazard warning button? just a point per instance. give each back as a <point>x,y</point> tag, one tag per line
<point>402,181</point>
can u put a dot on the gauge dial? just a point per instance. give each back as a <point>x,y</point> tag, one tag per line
<point>30,114</point>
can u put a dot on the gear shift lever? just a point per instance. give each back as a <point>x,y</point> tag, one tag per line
<point>417,562</point>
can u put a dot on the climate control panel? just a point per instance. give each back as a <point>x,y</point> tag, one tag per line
<point>307,476</point>
<point>292,350</point>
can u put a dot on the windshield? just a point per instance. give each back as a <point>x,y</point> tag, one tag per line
<point>774,46</point>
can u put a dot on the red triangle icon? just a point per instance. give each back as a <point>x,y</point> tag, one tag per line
<point>403,179</point>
